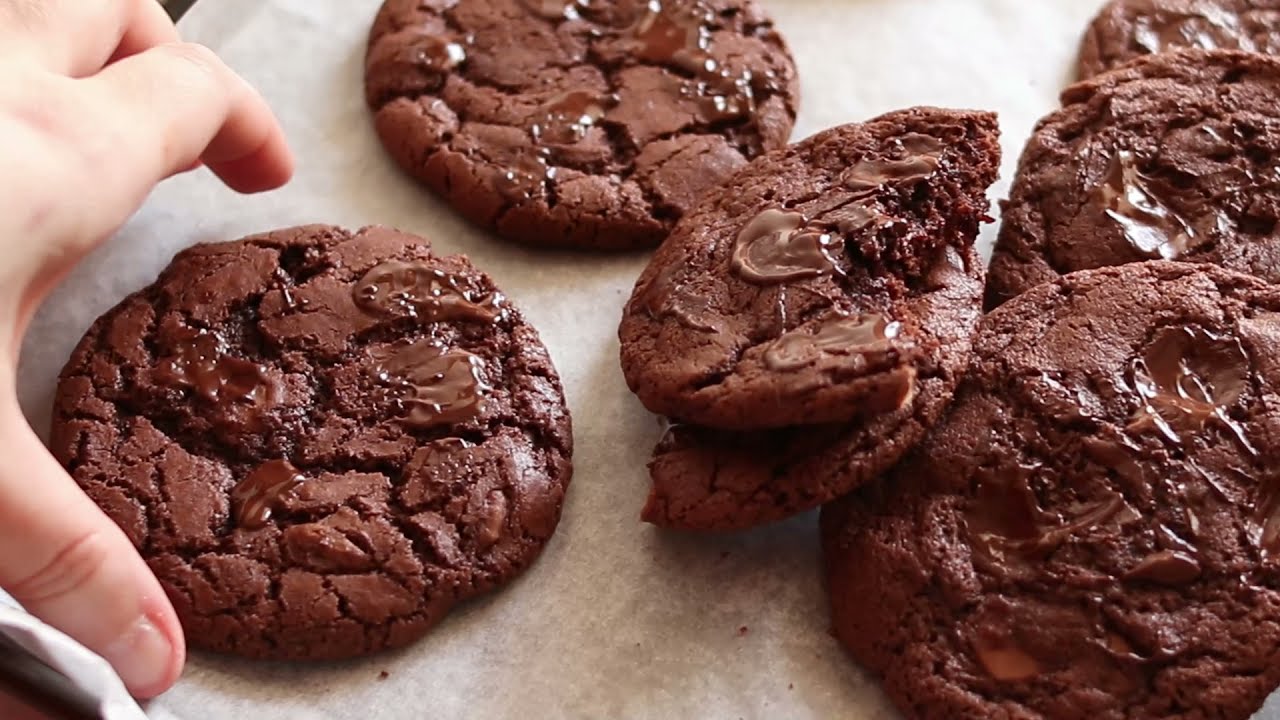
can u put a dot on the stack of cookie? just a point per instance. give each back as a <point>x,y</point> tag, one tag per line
<point>1094,529</point>
<point>808,321</point>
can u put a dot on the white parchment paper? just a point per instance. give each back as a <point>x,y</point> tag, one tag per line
<point>617,620</point>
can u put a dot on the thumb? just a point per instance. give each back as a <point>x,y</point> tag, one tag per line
<point>70,566</point>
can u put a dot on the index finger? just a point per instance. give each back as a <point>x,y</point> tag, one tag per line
<point>170,106</point>
<point>78,37</point>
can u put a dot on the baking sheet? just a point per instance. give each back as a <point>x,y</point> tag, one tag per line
<point>617,620</point>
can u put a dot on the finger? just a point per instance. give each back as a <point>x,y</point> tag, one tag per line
<point>64,561</point>
<point>72,37</point>
<point>150,26</point>
<point>168,108</point>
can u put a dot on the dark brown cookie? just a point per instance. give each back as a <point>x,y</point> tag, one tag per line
<point>794,293</point>
<point>1094,531</point>
<point>1128,29</point>
<point>320,441</point>
<point>569,123</point>
<point>720,480</point>
<point>1175,156</point>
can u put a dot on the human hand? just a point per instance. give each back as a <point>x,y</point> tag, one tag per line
<point>99,101</point>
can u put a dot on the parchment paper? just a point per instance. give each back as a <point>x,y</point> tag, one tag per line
<point>617,620</point>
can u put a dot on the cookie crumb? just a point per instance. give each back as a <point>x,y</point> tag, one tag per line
<point>383,675</point>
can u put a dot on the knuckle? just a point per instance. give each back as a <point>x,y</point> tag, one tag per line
<point>195,57</point>
<point>69,572</point>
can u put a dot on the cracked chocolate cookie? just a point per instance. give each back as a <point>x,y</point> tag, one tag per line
<point>577,124</point>
<point>1128,29</point>
<point>795,294</point>
<point>1094,530</point>
<point>320,441</point>
<point>720,480</point>
<point>1174,157</point>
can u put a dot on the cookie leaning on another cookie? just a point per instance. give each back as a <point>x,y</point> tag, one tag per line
<point>788,296</point>
<point>1172,157</point>
<point>320,441</point>
<point>833,283</point>
<point>1127,29</point>
<point>1094,531</point>
<point>705,479</point>
<point>576,124</point>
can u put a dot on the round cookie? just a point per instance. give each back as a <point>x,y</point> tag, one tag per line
<point>320,441</point>
<point>1128,29</point>
<point>719,480</point>
<point>792,295</point>
<point>1094,530</point>
<point>576,124</point>
<point>1174,157</point>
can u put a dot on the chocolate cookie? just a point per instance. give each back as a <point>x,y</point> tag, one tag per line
<point>797,293</point>
<point>1094,531</point>
<point>1174,157</point>
<point>1127,29</point>
<point>574,123</point>
<point>720,480</point>
<point>320,441</point>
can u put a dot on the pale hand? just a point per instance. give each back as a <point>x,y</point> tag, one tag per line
<point>99,101</point>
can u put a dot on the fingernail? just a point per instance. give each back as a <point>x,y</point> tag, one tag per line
<point>142,657</point>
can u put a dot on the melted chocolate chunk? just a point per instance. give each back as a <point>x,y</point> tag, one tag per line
<point>1154,230</point>
<point>854,336</point>
<point>1266,516</point>
<point>416,290</point>
<point>567,119</point>
<point>1167,567</point>
<point>255,497</point>
<point>724,95</point>
<point>675,32</point>
<point>1006,519</point>
<point>436,386</point>
<point>1212,28</point>
<point>1005,662</point>
<point>526,177</point>
<point>1187,379</point>
<point>668,296</point>
<point>777,246</point>
<point>202,364</point>
<point>678,33</point>
<point>920,158</point>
